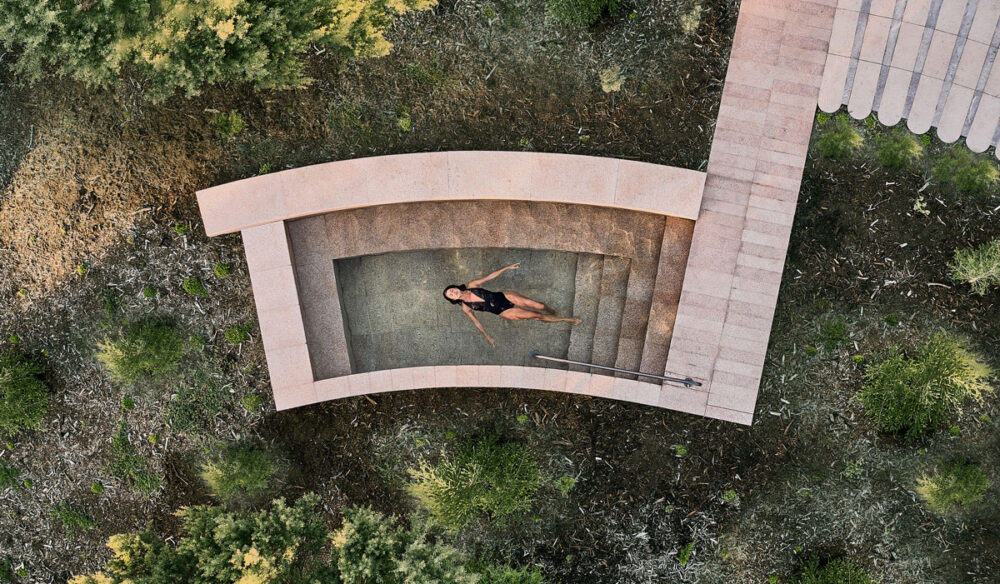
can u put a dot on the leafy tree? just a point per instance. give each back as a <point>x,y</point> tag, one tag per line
<point>24,397</point>
<point>283,544</point>
<point>181,45</point>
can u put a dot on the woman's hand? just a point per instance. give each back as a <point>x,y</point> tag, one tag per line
<point>513,266</point>
<point>491,341</point>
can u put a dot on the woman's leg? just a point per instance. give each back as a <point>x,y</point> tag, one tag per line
<point>523,301</point>
<point>525,314</point>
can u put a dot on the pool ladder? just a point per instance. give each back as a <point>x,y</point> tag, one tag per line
<point>687,382</point>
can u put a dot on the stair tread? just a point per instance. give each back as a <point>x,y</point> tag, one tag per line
<point>589,273</point>
<point>614,283</point>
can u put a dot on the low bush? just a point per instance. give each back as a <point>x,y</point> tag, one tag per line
<point>839,140</point>
<point>837,571</point>
<point>966,172</point>
<point>130,466</point>
<point>914,394</point>
<point>228,124</point>
<point>498,574</point>
<point>899,149</point>
<point>196,403</point>
<point>221,271</point>
<point>956,484</point>
<point>148,348</point>
<point>72,519</point>
<point>239,474</point>
<point>486,478</point>
<point>9,475</point>
<point>978,266</point>
<point>194,287</point>
<point>237,334</point>
<point>24,397</point>
<point>582,12</point>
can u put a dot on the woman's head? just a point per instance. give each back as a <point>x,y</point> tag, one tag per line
<point>453,293</point>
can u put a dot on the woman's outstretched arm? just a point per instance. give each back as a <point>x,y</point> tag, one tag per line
<point>479,282</point>
<point>475,321</point>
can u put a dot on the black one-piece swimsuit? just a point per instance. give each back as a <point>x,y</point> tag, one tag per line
<point>494,302</point>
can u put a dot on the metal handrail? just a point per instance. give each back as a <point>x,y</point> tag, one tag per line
<point>688,382</point>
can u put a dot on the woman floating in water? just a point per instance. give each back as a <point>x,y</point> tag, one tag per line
<point>507,304</point>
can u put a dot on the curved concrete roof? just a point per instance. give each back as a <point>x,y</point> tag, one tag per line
<point>932,62</point>
<point>442,176</point>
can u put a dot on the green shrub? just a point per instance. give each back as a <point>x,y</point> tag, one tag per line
<point>373,549</point>
<point>822,118</point>
<point>964,171</point>
<point>182,46</point>
<point>24,397</point>
<point>182,228</point>
<point>486,477</point>
<point>196,404</point>
<point>128,465</point>
<point>913,394</point>
<point>148,348</point>
<point>565,484</point>
<point>899,149</point>
<point>239,474</point>
<point>251,402</point>
<point>498,574</point>
<point>9,475</point>
<point>837,571</point>
<point>72,519</point>
<point>148,292</point>
<point>96,487</point>
<point>839,140</point>
<point>832,333</point>
<point>979,266</point>
<point>582,12</point>
<point>957,484</point>
<point>221,271</point>
<point>237,334</point>
<point>684,556</point>
<point>194,287</point>
<point>228,124</point>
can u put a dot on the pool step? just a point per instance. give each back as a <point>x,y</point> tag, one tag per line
<point>666,294</point>
<point>586,301</point>
<point>614,283</point>
<point>635,311</point>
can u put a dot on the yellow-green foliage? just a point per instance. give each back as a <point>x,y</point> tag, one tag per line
<point>913,394</point>
<point>957,484</point>
<point>184,44</point>
<point>979,266</point>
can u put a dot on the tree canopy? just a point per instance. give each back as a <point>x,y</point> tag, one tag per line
<point>182,45</point>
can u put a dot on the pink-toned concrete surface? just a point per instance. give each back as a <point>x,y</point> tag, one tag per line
<point>744,217</point>
<point>442,176</point>
<point>740,239</point>
<point>933,63</point>
<point>494,376</point>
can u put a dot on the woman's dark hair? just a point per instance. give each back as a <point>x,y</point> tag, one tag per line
<point>445,293</point>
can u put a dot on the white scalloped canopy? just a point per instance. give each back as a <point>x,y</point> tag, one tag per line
<point>932,62</point>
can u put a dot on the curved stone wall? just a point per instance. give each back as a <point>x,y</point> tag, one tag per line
<point>449,176</point>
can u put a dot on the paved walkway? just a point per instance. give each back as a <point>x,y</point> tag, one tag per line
<point>933,62</point>
<point>754,172</point>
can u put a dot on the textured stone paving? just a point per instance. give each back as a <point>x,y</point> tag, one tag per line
<point>933,62</point>
<point>754,171</point>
